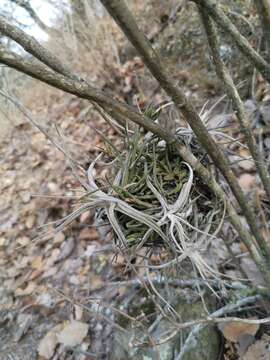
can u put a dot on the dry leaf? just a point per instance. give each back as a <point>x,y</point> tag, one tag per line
<point>119,261</point>
<point>38,142</point>
<point>235,329</point>
<point>90,250</point>
<point>37,263</point>
<point>23,241</point>
<point>78,312</point>
<point>52,259</point>
<point>240,333</point>
<point>50,272</point>
<point>35,274</point>
<point>30,221</point>
<point>246,181</point>
<point>66,249</point>
<point>47,345</point>
<point>251,270</point>
<point>245,164</point>
<point>88,234</point>
<point>59,238</point>
<point>260,350</point>
<point>73,333</point>
<point>96,282</point>
<point>86,217</point>
<point>27,291</point>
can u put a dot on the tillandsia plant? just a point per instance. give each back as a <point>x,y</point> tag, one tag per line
<point>154,202</point>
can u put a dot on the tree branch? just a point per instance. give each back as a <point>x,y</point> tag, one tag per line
<point>81,89</point>
<point>120,12</point>
<point>32,46</point>
<point>191,341</point>
<point>213,9</point>
<point>233,94</point>
<point>26,5</point>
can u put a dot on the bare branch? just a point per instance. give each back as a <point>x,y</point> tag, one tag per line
<point>191,341</point>
<point>81,89</point>
<point>213,8</point>
<point>233,94</point>
<point>32,46</point>
<point>26,5</point>
<point>120,12</point>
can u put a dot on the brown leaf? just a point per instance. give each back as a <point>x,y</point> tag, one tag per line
<point>233,330</point>
<point>59,238</point>
<point>245,164</point>
<point>251,270</point>
<point>96,282</point>
<point>73,333</point>
<point>30,221</point>
<point>86,217</point>
<point>88,234</point>
<point>259,350</point>
<point>52,259</point>
<point>35,274</point>
<point>47,345</point>
<point>37,263</point>
<point>247,181</point>
<point>23,241</point>
<point>66,249</point>
<point>38,142</point>
<point>26,291</point>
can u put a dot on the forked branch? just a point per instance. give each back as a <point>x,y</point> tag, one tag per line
<point>214,10</point>
<point>232,92</point>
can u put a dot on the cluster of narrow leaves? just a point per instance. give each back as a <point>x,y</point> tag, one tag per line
<point>153,201</point>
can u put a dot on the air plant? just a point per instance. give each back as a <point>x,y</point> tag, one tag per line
<point>153,201</point>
